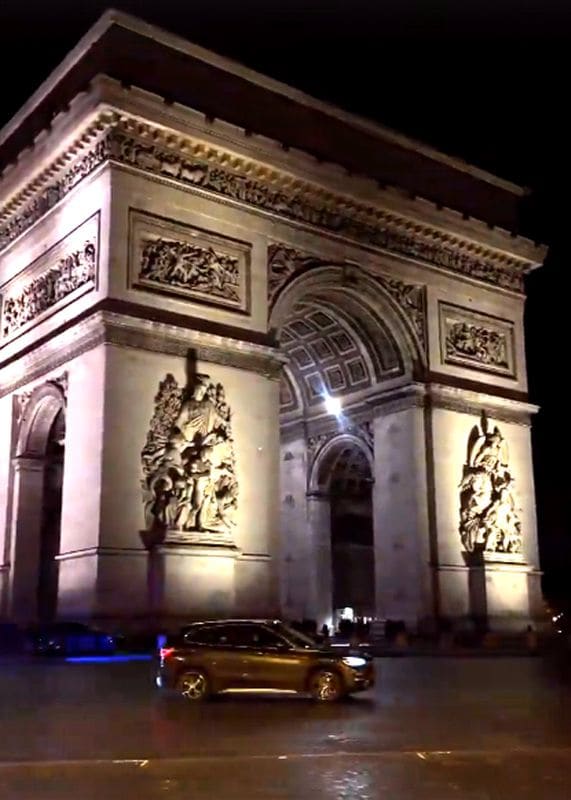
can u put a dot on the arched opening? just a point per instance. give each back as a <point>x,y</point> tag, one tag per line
<point>347,343</point>
<point>37,506</point>
<point>347,481</point>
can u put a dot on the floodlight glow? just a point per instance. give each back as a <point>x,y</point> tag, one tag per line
<point>333,405</point>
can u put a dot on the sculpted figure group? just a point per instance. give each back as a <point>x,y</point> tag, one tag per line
<point>489,519</point>
<point>190,483</point>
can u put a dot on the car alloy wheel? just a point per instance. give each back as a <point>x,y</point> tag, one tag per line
<point>326,686</point>
<point>193,686</point>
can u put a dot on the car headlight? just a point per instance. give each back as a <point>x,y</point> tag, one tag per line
<point>354,661</point>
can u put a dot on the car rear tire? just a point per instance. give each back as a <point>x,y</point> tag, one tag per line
<point>326,686</point>
<point>193,686</point>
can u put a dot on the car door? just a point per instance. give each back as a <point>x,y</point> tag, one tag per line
<point>270,662</point>
<point>217,653</point>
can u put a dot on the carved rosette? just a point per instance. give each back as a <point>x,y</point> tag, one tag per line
<point>189,482</point>
<point>489,518</point>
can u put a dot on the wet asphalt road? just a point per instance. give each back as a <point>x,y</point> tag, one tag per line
<point>434,728</point>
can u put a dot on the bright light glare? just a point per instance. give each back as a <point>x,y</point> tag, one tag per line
<point>333,405</point>
<point>354,661</point>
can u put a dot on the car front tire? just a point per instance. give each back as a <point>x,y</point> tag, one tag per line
<point>326,686</point>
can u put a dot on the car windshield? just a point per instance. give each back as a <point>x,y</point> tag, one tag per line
<point>294,637</point>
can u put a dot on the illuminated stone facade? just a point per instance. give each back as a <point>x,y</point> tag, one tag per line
<point>182,293</point>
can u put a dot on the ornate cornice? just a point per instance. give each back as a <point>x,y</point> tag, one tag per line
<point>124,140</point>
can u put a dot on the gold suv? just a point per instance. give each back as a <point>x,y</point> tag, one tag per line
<point>258,655</point>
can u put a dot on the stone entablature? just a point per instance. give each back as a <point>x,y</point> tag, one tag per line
<point>119,138</point>
<point>107,327</point>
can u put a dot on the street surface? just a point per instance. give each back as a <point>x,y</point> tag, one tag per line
<point>433,729</point>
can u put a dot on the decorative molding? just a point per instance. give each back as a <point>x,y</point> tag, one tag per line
<point>103,327</point>
<point>190,486</point>
<point>188,263</point>
<point>473,403</point>
<point>489,517</point>
<point>118,138</point>
<point>267,365</point>
<point>476,340</point>
<point>63,273</point>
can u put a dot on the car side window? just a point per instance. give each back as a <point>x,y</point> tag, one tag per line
<point>255,636</point>
<point>215,636</point>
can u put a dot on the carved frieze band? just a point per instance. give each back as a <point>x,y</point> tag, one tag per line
<point>476,341</point>
<point>285,262</point>
<point>188,263</point>
<point>63,273</point>
<point>163,153</point>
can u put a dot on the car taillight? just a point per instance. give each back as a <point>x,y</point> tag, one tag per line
<point>166,652</point>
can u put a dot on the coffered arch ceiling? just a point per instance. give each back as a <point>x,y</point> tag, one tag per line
<point>334,347</point>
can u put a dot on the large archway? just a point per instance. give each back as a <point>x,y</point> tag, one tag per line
<point>37,504</point>
<point>348,346</point>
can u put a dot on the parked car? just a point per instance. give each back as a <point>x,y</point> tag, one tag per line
<point>70,639</point>
<point>257,655</point>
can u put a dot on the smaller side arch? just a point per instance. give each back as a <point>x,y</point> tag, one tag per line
<point>326,456</point>
<point>40,411</point>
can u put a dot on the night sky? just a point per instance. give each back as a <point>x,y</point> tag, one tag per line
<point>486,82</point>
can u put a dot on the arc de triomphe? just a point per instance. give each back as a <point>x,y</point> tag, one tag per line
<point>257,356</point>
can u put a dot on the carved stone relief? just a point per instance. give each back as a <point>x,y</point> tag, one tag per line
<point>190,487</point>
<point>65,268</point>
<point>283,263</point>
<point>411,299</point>
<point>489,518</point>
<point>477,341</point>
<point>131,142</point>
<point>180,260</point>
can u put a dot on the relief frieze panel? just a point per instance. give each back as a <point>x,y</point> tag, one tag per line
<point>189,263</point>
<point>63,273</point>
<point>477,341</point>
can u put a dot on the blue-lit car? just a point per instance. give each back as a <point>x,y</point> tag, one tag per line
<point>70,639</point>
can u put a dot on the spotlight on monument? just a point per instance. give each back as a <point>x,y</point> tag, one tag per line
<point>333,405</point>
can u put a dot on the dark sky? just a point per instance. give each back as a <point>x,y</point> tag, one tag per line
<point>486,81</point>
